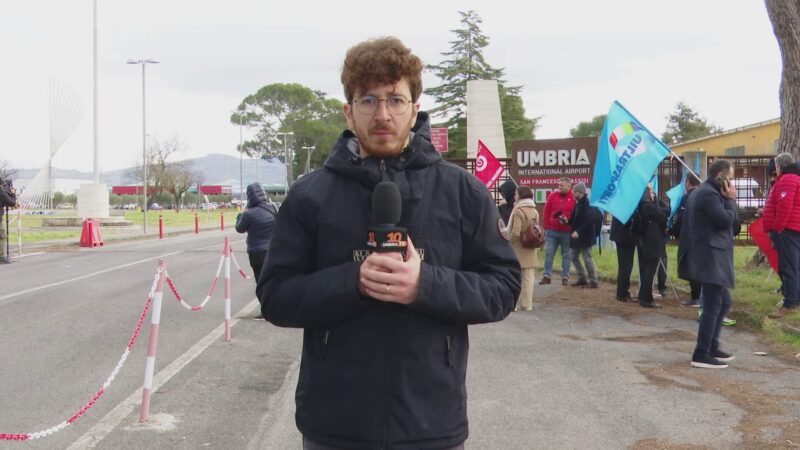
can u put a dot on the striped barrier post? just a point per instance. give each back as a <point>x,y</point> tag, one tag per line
<point>155,318</point>
<point>19,231</point>
<point>227,289</point>
<point>160,226</point>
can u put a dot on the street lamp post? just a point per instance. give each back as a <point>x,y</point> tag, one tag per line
<point>309,151</point>
<point>241,159</point>
<point>286,157</point>
<point>143,63</point>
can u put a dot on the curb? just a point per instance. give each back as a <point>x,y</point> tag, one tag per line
<point>76,245</point>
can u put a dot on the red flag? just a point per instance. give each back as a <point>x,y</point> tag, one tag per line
<point>756,230</point>
<point>487,168</point>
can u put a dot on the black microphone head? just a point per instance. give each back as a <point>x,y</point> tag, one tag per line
<point>386,204</point>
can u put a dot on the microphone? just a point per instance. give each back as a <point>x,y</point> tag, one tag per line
<point>385,236</point>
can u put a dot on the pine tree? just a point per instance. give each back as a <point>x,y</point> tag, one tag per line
<point>464,62</point>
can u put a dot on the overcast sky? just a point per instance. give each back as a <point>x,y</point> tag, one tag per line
<point>572,57</point>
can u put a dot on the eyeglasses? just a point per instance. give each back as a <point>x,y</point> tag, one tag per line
<point>396,104</point>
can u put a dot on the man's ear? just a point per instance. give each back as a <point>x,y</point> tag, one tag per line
<point>347,108</point>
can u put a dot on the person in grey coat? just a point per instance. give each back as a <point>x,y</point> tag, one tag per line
<point>710,221</point>
<point>257,221</point>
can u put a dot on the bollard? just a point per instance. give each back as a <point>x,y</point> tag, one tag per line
<point>155,318</point>
<point>160,227</point>
<point>227,289</point>
<point>196,224</point>
<point>222,221</point>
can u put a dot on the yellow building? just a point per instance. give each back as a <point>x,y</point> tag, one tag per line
<point>758,139</point>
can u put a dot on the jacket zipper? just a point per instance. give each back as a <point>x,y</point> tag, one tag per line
<point>449,363</point>
<point>324,344</point>
<point>384,174</point>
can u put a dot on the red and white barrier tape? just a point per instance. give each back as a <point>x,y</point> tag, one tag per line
<point>213,288</point>
<point>106,385</point>
<point>241,272</point>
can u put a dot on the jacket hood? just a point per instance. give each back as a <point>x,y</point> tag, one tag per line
<point>345,160</point>
<point>508,189</point>
<point>255,195</point>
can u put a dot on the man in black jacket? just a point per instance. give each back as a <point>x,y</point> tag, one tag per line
<point>710,221</point>
<point>651,225</point>
<point>8,199</point>
<point>583,237</point>
<point>683,244</point>
<point>625,240</point>
<point>385,337</point>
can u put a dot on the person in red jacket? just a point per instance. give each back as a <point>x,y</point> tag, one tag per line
<point>782,215</point>
<point>555,220</point>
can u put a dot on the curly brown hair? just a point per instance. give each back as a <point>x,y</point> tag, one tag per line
<point>383,60</point>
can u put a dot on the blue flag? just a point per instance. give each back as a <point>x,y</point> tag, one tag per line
<point>675,195</point>
<point>627,157</point>
<point>654,182</point>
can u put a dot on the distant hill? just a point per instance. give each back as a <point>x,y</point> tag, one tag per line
<point>216,169</point>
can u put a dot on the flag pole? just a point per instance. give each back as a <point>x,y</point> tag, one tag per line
<point>685,165</point>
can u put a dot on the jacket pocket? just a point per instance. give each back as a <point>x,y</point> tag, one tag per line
<point>449,362</point>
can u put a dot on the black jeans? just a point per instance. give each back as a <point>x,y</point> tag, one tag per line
<point>256,262</point>
<point>696,287</point>
<point>624,268</point>
<point>647,270</point>
<point>789,266</point>
<point>716,304</point>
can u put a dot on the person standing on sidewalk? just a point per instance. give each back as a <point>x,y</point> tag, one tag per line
<point>257,221</point>
<point>509,192</point>
<point>583,237</point>
<point>385,335</point>
<point>683,244</point>
<point>626,242</point>
<point>557,212</point>
<point>8,199</point>
<point>522,217</point>
<point>782,216</point>
<point>710,221</point>
<point>651,225</point>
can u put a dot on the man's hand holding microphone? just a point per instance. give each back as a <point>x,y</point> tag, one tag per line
<point>391,273</point>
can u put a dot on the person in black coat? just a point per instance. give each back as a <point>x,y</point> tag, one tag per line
<point>626,241</point>
<point>385,335</point>
<point>257,221</point>
<point>508,189</point>
<point>651,225</point>
<point>683,244</point>
<point>583,237</point>
<point>711,219</point>
<point>8,199</point>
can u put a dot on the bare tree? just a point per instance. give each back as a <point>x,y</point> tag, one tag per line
<point>785,18</point>
<point>158,155</point>
<point>177,178</point>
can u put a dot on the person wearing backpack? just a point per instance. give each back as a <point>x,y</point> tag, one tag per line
<point>583,237</point>
<point>523,215</point>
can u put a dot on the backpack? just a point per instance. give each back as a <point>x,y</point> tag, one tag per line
<point>533,236</point>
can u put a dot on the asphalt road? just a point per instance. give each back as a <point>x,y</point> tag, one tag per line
<point>572,374</point>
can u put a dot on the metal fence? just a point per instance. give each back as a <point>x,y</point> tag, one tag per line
<point>751,179</point>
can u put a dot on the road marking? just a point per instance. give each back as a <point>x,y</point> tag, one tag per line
<point>110,421</point>
<point>83,277</point>
<point>29,254</point>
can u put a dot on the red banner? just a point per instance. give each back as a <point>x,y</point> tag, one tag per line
<point>487,168</point>
<point>756,230</point>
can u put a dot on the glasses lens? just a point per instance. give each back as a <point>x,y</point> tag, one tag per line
<point>396,104</point>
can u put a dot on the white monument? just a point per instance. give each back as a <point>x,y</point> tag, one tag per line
<point>484,120</point>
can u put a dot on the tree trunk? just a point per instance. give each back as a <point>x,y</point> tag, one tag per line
<point>785,18</point>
